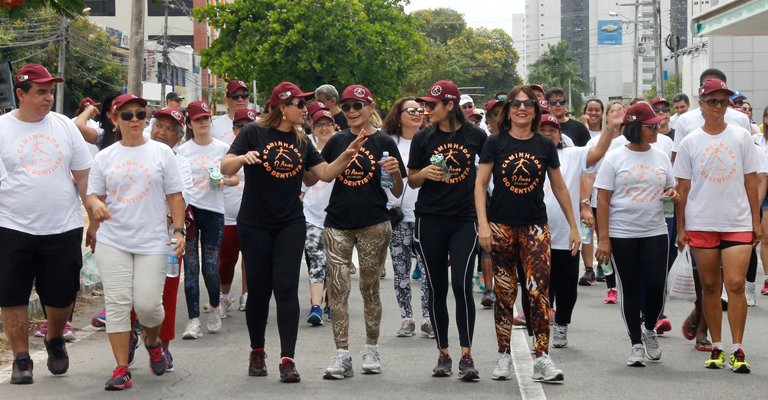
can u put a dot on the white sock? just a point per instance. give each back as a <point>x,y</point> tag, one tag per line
<point>735,347</point>
<point>373,347</point>
<point>717,345</point>
<point>342,353</point>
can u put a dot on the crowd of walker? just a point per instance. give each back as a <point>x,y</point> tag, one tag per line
<point>500,195</point>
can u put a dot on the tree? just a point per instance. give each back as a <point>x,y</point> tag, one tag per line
<point>311,42</point>
<point>19,9</point>
<point>441,24</point>
<point>670,89</point>
<point>557,67</point>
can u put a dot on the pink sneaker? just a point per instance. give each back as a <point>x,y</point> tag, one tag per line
<point>519,319</point>
<point>663,325</point>
<point>764,290</point>
<point>42,331</point>
<point>100,321</point>
<point>69,334</point>
<point>552,314</point>
<point>612,296</point>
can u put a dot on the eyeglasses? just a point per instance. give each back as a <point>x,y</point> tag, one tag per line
<point>554,102</point>
<point>654,127</point>
<point>713,102</point>
<point>413,110</point>
<point>238,125</point>
<point>356,106</point>
<point>325,125</point>
<point>528,103</point>
<point>738,102</point>
<point>475,121</point>
<point>300,104</point>
<point>241,96</point>
<point>468,106</point>
<point>430,104</point>
<point>502,98</point>
<point>128,115</point>
<point>662,109</point>
<point>746,108</point>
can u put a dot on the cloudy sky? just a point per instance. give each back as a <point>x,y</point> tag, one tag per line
<point>488,13</point>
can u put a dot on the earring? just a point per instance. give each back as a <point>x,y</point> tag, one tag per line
<point>114,129</point>
<point>283,116</point>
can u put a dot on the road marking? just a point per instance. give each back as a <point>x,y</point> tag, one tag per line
<point>523,363</point>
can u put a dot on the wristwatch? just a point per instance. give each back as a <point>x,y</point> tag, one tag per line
<point>587,202</point>
<point>182,230</point>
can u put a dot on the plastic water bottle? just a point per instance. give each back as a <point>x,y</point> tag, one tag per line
<point>172,269</point>
<point>607,267</point>
<point>586,233</point>
<point>669,207</point>
<point>387,180</point>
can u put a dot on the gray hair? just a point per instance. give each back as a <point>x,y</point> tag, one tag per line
<point>182,131</point>
<point>681,97</point>
<point>329,91</point>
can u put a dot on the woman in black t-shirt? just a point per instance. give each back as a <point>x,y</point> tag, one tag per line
<point>445,218</point>
<point>275,155</point>
<point>515,225</point>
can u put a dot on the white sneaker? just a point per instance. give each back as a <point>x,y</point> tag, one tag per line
<point>636,356</point>
<point>544,370</point>
<point>214,320</point>
<point>225,300</point>
<point>724,296</point>
<point>371,360</point>
<point>192,330</point>
<point>651,341</point>
<point>341,367</point>
<point>243,300</point>
<point>559,335</point>
<point>503,370</point>
<point>749,291</point>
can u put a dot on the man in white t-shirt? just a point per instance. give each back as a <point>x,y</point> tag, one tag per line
<point>682,103</point>
<point>237,98</point>
<point>41,220</point>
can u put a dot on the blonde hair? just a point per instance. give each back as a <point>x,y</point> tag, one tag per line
<point>275,118</point>
<point>608,109</point>
<point>375,119</point>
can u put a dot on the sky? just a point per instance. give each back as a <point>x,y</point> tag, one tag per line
<point>491,14</point>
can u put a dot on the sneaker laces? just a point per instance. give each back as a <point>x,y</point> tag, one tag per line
<point>156,354</point>
<point>739,355</point>
<point>545,362</point>
<point>716,353</point>
<point>258,356</point>
<point>502,362</point>
<point>406,323</point>
<point>23,363</point>
<point>467,360</point>
<point>288,365</point>
<point>119,372</point>
<point>370,356</point>
<point>338,362</point>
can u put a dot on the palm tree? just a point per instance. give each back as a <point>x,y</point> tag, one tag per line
<point>557,67</point>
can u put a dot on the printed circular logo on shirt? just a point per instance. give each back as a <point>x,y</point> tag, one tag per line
<point>200,166</point>
<point>518,172</point>
<point>360,170</point>
<point>129,181</point>
<point>40,154</point>
<point>643,184</point>
<point>282,160</point>
<point>718,163</point>
<point>458,159</point>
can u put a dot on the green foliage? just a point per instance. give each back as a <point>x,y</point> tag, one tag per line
<point>312,42</point>
<point>67,8</point>
<point>441,24</point>
<point>557,67</point>
<point>670,89</point>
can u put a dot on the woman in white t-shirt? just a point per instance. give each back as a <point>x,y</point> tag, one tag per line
<point>593,109</point>
<point>207,207</point>
<point>128,187</point>
<point>631,183</point>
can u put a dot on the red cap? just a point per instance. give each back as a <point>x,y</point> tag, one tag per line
<point>658,100</point>
<point>124,99</point>
<point>442,90</point>
<point>234,85</point>
<point>357,92</point>
<point>246,113</point>
<point>171,113</point>
<point>314,106</point>
<point>642,112</point>
<point>197,109</point>
<point>285,91</point>
<point>35,73</point>
<point>322,113</point>
<point>549,119</point>
<point>538,87</point>
<point>88,102</point>
<point>713,85</point>
<point>544,105</point>
<point>489,105</point>
<point>472,113</point>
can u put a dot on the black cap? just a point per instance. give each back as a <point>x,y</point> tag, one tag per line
<point>173,96</point>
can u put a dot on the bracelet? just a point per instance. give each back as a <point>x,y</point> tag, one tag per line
<point>180,230</point>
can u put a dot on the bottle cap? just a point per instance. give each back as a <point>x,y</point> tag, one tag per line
<point>385,154</point>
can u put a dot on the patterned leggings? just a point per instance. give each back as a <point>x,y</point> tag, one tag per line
<point>400,249</point>
<point>371,243</point>
<point>531,244</point>
<point>314,252</point>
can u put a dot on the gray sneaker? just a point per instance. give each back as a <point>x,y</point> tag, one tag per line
<point>503,370</point>
<point>371,360</point>
<point>243,300</point>
<point>407,328</point>
<point>636,356</point>
<point>427,331</point>
<point>559,335</point>
<point>214,320</point>
<point>544,370</point>
<point>651,341</point>
<point>340,368</point>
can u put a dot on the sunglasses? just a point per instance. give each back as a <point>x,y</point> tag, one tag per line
<point>325,125</point>
<point>430,104</point>
<point>467,106</point>
<point>662,109</point>
<point>475,121</point>
<point>241,96</point>
<point>239,125</point>
<point>746,108</point>
<point>356,106</point>
<point>300,104</point>
<point>554,102</point>
<point>502,98</point>
<point>738,102</point>
<point>528,103</point>
<point>128,115</point>
<point>654,127</point>
<point>714,102</point>
<point>414,110</point>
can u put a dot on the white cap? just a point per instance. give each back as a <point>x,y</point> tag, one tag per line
<point>465,98</point>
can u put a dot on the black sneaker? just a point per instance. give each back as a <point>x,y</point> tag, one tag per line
<point>133,344</point>
<point>443,368</point>
<point>22,370</point>
<point>257,366</point>
<point>121,379</point>
<point>288,373</point>
<point>588,279</point>
<point>158,364</point>
<point>58,359</point>
<point>489,297</point>
<point>600,275</point>
<point>467,370</point>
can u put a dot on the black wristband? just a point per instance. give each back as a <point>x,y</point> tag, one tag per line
<point>181,230</point>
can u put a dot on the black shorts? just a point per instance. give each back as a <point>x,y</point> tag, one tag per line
<point>52,262</point>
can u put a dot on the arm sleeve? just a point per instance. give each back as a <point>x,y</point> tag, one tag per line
<point>488,155</point>
<point>96,182</point>
<point>81,156</point>
<point>172,182</point>
<point>417,151</point>
<point>606,177</point>
<point>396,153</point>
<point>751,158</point>
<point>670,176</point>
<point>682,168</point>
<point>241,144</point>
<point>327,152</point>
<point>313,156</point>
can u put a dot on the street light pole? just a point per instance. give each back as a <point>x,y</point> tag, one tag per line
<point>657,46</point>
<point>164,70</point>
<point>634,22</point>
<point>62,62</point>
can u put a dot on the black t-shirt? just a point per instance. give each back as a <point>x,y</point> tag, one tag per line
<point>671,134</point>
<point>518,177</point>
<point>341,121</point>
<point>357,199</point>
<point>577,131</point>
<point>272,188</point>
<point>454,197</point>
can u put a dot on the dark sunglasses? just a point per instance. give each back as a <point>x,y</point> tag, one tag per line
<point>746,108</point>
<point>654,126</point>
<point>528,103</point>
<point>562,102</point>
<point>502,98</point>
<point>430,104</point>
<point>738,102</point>
<point>241,96</point>
<point>661,109</point>
<point>298,103</point>
<point>413,110</point>
<point>238,125</point>
<point>714,102</point>
<point>128,115</point>
<point>356,106</point>
<point>467,106</point>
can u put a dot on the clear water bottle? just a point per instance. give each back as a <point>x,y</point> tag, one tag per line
<point>172,269</point>
<point>387,180</point>
<point>586,233</point>
<point>607,267</point>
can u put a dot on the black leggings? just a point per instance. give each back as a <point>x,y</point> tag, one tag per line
<point>641,265</point>
<point>610,280</point>
<point>563,283</point>
<point>435,238</point>
<point>272,260</point>
<point>752,270</point>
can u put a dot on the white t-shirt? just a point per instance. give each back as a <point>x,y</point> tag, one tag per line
<point>233,195</point>
<point>136,181</point>
<point>573,164</point>
<point>759,139</point>
<point>201,159</point>
<point>567,142</point>
<point>316,199</point>
<point>694,119</point>
<point>3,172</point>
<point>99,133</point>
<point>673,121</point>
<point>663,143</point>
<point>638,180</point>
<point>408,203</point>
<point>38,197</point>
<point>593,133</point>
<point>615,144</point>
<point>186,177</point>
<point>221,128</point>
<point>716,165</point>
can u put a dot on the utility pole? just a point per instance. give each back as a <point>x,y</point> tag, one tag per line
<point>675,47</point>
<point>62,63</point>
<point>136,53</point>
<point>657,48</point>
<point>635,61</point>
<point>164,70</point>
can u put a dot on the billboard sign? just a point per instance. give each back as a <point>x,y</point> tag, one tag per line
<point>609,32</point>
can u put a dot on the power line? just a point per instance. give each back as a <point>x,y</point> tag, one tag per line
<point>94,77</point>
<point>33,54</point>
<point>31,43</point>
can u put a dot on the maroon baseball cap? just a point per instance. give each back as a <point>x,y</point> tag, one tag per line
<point>713,85</point>
<point>493,103</point>
<point>88,102</point>
<point>197,109</point>
<point>471,113</point>
<point>246,113</point>
<point>34,73</point>
<point>176,115</point>
<point>544,105</point>
<point>285,91</point>
<point>658,100</point>
<point>322,113</point>
<point>314,106</point>
<point>357,92</point>
<point>124,99</point>
<point>442,90</point>
<point>549,119</point>
<point>538,87</point>
<point>234,85</point>
<point>642,112</point>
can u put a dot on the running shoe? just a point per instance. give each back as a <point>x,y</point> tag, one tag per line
<point>488,298</point>
<point>168,360</point>
<point>100,321</point>
<point>443,368</point>
<point>612,296</point>
<point>467,370</point>
<point>764,290</point>
<point>225,302</point>
<point>552,314</point>
<point>22,370</point>
<point>519,319</point>
<point>383,273</point>
<point>716,359</point>
<point>315,316</point>
<point>371,360</point>
<point>121,379</point>
<point>192,330</point>
<point>544,370</point>
<point>43,330</point>
<point>214,320</point>
<point>158,364</point>
<point>749,291</point>
<point>663,325</point>
<point>133,344</point>
<point>69,334</point>
<point>58,359</point>
<point>340,368</point>
<point>243,300</point>
<point>599,274</point>
<point>480,281</point>
<point>651,342</point>
<point>636,356</point>
<point>257,366</point>
<point>559,335</point>
<point>416,272</point>
<point>427,331</point>
<point>588,279</point>
<point>407,328</point>
<point>328,311</point>
<point>288,373</point>
<point>689,328</point>
<point>503,370</point>
<point>737,362</point>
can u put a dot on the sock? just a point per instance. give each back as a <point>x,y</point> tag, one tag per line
<point>717,345</point>
<point>736,346</point>
<point>373,347</point>
<point>342,353</point>
<point>284,359</point>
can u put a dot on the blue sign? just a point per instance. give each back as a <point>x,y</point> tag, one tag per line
<point>609,32</point>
